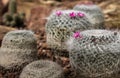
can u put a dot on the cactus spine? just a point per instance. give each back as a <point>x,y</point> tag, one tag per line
<point>18,49</point>
<point>96,54</point>
<point>61,24</point>
<point>96,16</point>
<point>42,69</point>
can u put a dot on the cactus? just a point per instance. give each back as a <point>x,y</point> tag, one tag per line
<point>95,16</point>
<point>42,69</point>
<point>12,18</point>
<point>60,26</point>
<point>18,49</point>
<point>12,7</point>
<point>95,53</point>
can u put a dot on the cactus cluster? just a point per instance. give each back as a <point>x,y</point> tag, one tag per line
<point>95,16</point>
<point>18,49</point>
<point>96,53</point>
<point>93,52</point>
<point>61,24</point>
<point>12,18</point>
<point>42,69</point>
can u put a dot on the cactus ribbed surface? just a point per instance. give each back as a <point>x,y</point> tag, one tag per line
<point>94,12</point>
<point>42,69</point>
<point>61,24</point>
<point>18,49</point>
<point>96,54</point>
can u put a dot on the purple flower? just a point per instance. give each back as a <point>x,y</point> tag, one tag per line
<point>58,13</point>
<point>77,35</point>
<point>72,15</point>
<point>81,14</point>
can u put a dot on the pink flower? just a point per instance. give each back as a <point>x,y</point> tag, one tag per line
<point>77,35</point>
<point>72,15</point>
<point>58,13</point>
<point>81,14</point>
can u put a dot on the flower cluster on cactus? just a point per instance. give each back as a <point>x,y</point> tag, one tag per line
<point>96,54</point>
<point>72,14</point>
<point>95,14</point>
<point>18,48</point>
<point>42,69</point>
<point>61,24</point>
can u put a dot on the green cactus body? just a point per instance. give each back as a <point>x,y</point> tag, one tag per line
<point>96,54</point>
<point>12,7</point>
<point>12,23</point>
<point>18,49</point>
<point>42,69</point>
<point>96,16</point>
<point>12,18</point>
<point>62,24</point>
<point>9,18</point>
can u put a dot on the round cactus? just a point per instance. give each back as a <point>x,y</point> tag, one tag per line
<point>61,24</point>
<point>95,53</point>
<point>95,14</point>
<point>42,69</point>
<point>18,49</point>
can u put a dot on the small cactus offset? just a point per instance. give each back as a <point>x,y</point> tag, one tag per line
<point>42,69</point>
<point>95,53</point>
<point>96,16</point>
<point>12,7</point>
<point>12,18</point>
<point>18,49</point>
<point>61,24</point>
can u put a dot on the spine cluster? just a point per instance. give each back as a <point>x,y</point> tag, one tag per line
<point>94,12</point>
<point>96,53</point>
<point>42,69</point>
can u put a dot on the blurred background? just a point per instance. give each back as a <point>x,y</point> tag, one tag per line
<point>36,9</point>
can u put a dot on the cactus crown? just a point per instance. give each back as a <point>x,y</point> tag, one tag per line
<point>42,69</point>
<point>88,8</point>
<point>19,39</point>
<point>99,37</point>
<point>12,6</point>
<point>95,15</point>
<point>67,18</point>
